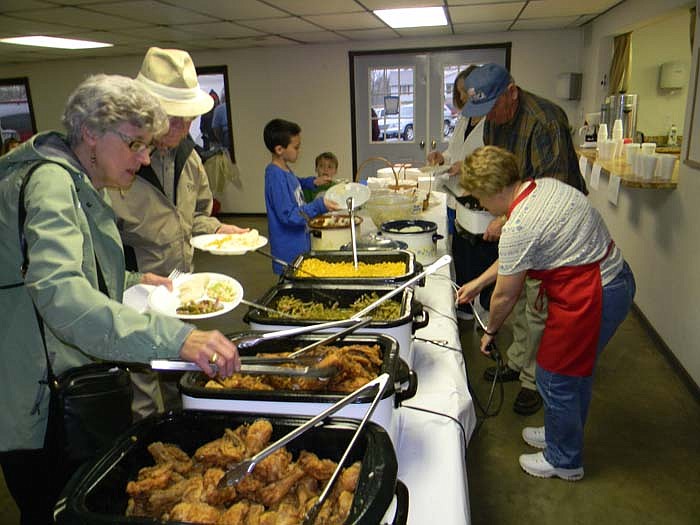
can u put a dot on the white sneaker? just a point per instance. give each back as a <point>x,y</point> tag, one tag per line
<point>534,436</point>
<point>536,465</point>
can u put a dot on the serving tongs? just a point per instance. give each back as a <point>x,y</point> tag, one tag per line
<point>240,470</point>
<point>252,366</point>
<point>442,261</point>
<point>271,365</point>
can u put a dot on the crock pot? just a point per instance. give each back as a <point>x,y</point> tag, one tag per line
<point>331,231</point>
<point>420,236</point>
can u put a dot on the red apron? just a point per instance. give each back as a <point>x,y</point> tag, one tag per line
<point>574,294</point>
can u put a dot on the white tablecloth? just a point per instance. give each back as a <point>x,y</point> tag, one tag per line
<point>431,446</point>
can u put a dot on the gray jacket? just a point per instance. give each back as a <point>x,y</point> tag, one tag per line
<point>69,225</point>
<point>157,230</point>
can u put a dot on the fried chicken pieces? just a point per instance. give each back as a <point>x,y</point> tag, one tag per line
<point>278,492</point>
<point>357,365</point>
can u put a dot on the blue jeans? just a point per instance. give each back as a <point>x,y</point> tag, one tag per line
<point>566,398</point>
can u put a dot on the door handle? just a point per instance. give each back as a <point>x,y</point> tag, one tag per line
<point>433,145</point>
<point>421,144</point>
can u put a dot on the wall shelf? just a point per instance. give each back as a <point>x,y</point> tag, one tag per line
<point>628,177</point>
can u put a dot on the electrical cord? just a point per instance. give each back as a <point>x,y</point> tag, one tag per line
<point>459,423</point>
<point>485,412</point>
<point>438,343</point>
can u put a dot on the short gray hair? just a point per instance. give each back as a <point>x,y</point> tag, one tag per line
<point>103,102</point>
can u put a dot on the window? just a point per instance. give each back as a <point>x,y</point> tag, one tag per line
<point>212,131</point>
<point>391,98</point>
<point>16,112</point>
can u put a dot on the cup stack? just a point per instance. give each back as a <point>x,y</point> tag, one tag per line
<point>603,132</point>
<point>664,166</point>
<point>631,152</point>
<point>617,138</point>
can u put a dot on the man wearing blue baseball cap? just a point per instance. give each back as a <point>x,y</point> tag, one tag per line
<point>537,132</point>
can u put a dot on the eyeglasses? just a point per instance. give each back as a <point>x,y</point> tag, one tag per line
<point>135,145</point>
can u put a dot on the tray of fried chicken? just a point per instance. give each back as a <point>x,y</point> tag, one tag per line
<point>168,468</point>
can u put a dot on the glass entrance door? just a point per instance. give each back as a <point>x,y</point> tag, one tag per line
<point>403,102</point>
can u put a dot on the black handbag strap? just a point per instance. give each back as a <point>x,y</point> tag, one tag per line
<point>22,216</point>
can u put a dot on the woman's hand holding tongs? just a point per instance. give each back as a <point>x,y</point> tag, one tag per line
<point>211,347</point>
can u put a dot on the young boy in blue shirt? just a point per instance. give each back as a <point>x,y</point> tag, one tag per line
<point>287,214</point>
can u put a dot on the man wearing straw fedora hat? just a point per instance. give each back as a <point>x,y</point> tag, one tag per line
<point>170,200</point>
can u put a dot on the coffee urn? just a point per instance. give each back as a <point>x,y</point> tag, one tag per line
<point>622,106</point>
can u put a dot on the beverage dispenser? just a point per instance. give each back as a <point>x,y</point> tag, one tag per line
<point>624,107</point>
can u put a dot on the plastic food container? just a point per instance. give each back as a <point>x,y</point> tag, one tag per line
<point>96,493</point>
<point>411,315</point>
<point>307,403</point>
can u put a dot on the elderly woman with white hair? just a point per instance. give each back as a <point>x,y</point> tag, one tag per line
<point>70,294</point>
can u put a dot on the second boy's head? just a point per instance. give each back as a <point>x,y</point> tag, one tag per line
<point>283,139</point>
<point>326,164</point>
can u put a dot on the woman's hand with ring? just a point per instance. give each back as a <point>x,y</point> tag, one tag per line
<point>208,348</point>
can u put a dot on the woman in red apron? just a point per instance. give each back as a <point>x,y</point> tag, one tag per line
<point>554,235</point>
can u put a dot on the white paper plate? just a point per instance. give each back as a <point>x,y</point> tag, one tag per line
<point>165,302</point>
<point>340,193</point>
<point>137,297</point>
<point>230,246</point>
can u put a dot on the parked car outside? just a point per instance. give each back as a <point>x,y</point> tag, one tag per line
<point>401,125</point>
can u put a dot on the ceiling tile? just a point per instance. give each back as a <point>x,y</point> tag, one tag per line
<point>557,22</point>
<point>370,34</point>
<point>482,27</point>
<point>347,21</point>
<point>220,29</point>
<point>81,2</point>
<point>157,12</point>
<point>316,7</point>
<point>10,26</point>
<point>554,8</point>
<point>74,16</point>
<point>273,40</point>
<point>290,24</point>
<point>231,43</point>
<point>231,10</point>
<point>158,32</point>
<point>8,6</point>
<point>485,13</point>
<point>316,36</point>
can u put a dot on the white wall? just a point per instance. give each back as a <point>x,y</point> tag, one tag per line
<point>306,84</point>
<point>663,41</point>
<point>657,230</point>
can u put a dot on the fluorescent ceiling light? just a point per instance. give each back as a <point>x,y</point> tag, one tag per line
<point>413,17</point>
<point>50,41</point>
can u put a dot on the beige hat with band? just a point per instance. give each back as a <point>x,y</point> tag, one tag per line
<point>170,75</point>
